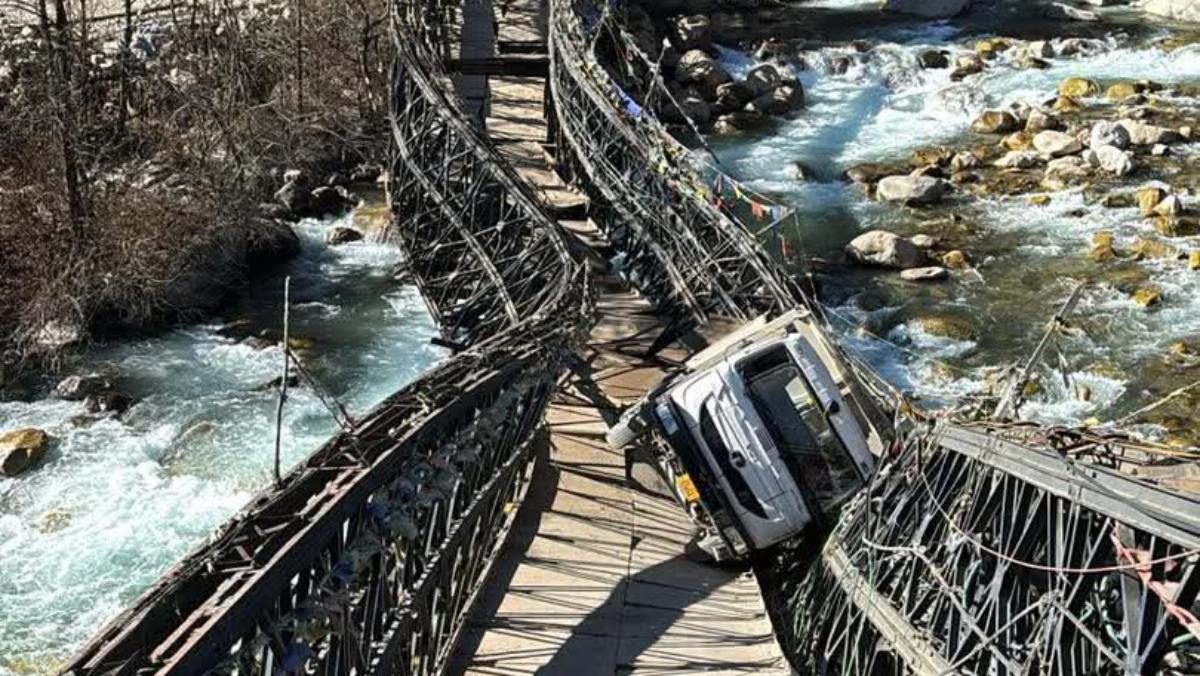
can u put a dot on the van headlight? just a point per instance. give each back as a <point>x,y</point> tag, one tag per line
<point>667,417</point>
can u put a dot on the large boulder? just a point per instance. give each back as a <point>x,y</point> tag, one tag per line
<point>995,122</point>
<point>1143,134</point>
<point>21,449</point>
<point>1110,159</point>
<point>929,9</point>
<point>692,32</point>
<point>1105,133</point>
<point>342,235</point>
<point>331,201</point>
<point>1056,143</point>
<point>887,249</point>
<point>269,242</point>
<point>78,388</point>
<point>782,100</point>
<point>911,190</point>
<point>1175,10</point>
<point>295,195</point>
<point>702,71</point>
<point>1078,87</point>
<point>763,79</point>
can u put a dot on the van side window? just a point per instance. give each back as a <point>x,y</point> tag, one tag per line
<point>720,453</point>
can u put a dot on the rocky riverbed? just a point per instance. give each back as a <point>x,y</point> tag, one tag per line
<point>156,441</point>
<point>980,168</point>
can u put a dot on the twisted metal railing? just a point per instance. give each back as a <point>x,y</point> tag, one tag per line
<point>973,554</point>
<point>685,255</point>
<point>367,556</point>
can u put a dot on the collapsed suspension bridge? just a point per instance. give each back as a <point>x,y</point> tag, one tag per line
<point>979,548</point>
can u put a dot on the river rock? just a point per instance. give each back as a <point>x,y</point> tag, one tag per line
<point>1177,226</point>
<point>1194,260</point>
<point>21,449</point>
<point>867,173</point>
<point>1039,49</point>
<point>1121,91</point>
<point>1078,88</point>
<point>887,249</point>
<point>933,59</point>
<point>928,9</point>
<point>1019,159</point>
<point>1061,10</point>
<point>1110,160</point>
<point>946,326</point>
<point>738,122</point>
<point>1143,134</point>
<point>1018,140</point>
<point>1056,143</point>
<point>965,161</point>
<point>295,195</point>
<point>965,66</point>
<point>701,70</point>
<point>911,190</point>
<point>1106,133</point>
<point>995,122</point>
<point>692,32</point>
<point>990,48</point>
<point>955,260</point>
<point>342,235</point>
<point>1041,121</point>
<point>108,402</point>
<point>782,100</point>
<point>1067,168</point>
<point>330,201</point>
<point>763,79</point>
<point>1170,205</point>
<point>1175,10</point>
<point>1148,198</point>
<point>1160,150</point>
<point>923,241</point>
<point>270,241</point>
<point>78,388</point>
<point>927,274</point>
<point>1147,296</point>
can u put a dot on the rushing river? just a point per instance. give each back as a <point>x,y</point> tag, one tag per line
<point>1027,259</point>
<point>117,501</point>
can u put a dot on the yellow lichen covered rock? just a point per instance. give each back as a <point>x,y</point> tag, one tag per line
<point>1194,260</point>
<point>1149,198</point>
<point>1147,296</point>
<point>21,449</point>
<point>955,260</point>
<point>1038,200</point>
<point>1078,87</point>
<point>990,47</point>
<point>947,326</point>
<point>1019,140</point>
<point>1066,104</point>
<point>1145,249</point>
<point>1121,91</point>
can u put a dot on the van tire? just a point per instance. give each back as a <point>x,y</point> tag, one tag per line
<point>622,434</point>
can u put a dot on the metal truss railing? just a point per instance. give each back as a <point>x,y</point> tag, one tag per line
<point>684,254</point>
<point>368,555</point>
<point>974,554</point>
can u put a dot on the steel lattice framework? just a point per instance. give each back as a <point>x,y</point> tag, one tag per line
<point>367,556</point>
<point>974,554</point>
<point>684,254</point>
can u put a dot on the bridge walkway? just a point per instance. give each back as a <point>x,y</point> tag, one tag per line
<point>593,580</point>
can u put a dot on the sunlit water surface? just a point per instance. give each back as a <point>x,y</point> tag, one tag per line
<point>118,501</point>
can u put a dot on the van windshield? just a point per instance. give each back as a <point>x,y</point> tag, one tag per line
<point>810,448</point>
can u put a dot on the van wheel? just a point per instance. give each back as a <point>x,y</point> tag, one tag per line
<point>622,434</point>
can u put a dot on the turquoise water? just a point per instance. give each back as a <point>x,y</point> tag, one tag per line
<point>1027,259</point>
<point>118,501</point>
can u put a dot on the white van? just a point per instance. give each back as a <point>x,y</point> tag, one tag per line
<point>762,434</point>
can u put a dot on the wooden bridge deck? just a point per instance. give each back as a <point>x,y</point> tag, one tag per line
<point>594,580</point>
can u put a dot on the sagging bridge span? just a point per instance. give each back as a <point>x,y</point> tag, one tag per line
<point>982,548</point>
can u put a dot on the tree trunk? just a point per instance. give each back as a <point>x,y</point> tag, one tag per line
<point>62,100</point>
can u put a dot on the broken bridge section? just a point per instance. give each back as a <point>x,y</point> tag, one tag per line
<point>988,550</point>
